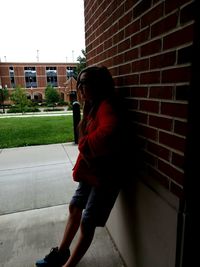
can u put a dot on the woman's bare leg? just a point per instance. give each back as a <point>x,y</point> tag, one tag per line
<point>71,228</point>
<point>84,241</point>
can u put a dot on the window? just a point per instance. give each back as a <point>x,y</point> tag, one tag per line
<point>12,76</point>
<point>30,77</point>
<point>51,73</point>
<point>70,72</point>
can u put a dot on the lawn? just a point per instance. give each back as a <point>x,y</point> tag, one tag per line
<point>16,132</point>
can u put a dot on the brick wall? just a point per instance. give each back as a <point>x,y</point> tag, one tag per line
<point>147,46</point>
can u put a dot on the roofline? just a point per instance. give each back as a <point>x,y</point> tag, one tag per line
<point>38,63</point>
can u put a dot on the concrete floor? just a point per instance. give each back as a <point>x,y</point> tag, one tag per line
<point>35,189</point>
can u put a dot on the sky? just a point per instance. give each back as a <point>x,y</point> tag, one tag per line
<point>41,30</point>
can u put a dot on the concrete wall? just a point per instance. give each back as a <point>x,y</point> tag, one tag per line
<point>143,225</point>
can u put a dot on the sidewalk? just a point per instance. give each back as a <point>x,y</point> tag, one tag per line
<point>35,114</point>
<point>35,189</point>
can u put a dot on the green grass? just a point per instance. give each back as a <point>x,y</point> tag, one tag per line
<point>18,132</point>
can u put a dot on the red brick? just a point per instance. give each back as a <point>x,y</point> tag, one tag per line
<point>131,54</point>
<point>126,19</point>
<point>160,122</point>
<point>174,109</point>
<point>148,132</point>
<point>150,77</point>
<point>171,172</point>
<point>187,13</point>
<point>41,71</point>
<point>164,25</point>
<point>141,7</point>
<point>153,15</point>
<point>176,75</point>
<point>41,82</point>
<point>179,37</point>
<point>163,60</point>
<point>99,49</point>
<point>172,141</point>
<point>139,92</point>
<point>4,71</point>
<point>161,92</point>
<point>140,65</point>
<point>180,127</point>
<point>119,59</point>
<point>20,81</point>
<point>132,79</point>
<point>171,5</point>
<point>124,45</point>
<point>140,37</point>
<point>149,105</point>
<point>178,160</point>
<point>158,150</point>
<point>5,81</point>
<point>19,71</point>
<point>129,4</point>
<point>118,12</point>
<point>118,37</point>
<point>111,52</point>
<point>107,44</point>
<point>141,117</point>
<point>151,48</point>
<point>132,28</point>
<point>124,69</point>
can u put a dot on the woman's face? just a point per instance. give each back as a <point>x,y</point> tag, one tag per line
<point>85,88</point>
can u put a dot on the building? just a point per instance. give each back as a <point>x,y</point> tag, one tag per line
<point>34,77</point>
<point>152,51</point>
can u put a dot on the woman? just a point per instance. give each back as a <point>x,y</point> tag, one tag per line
<point>98,166</point>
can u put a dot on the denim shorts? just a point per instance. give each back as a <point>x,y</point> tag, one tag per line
<point>97,202</point>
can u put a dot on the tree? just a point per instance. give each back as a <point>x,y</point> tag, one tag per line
<point>19,98</point>
<point>81,61</point>
<point>51,95</point>
<point>3,96</point>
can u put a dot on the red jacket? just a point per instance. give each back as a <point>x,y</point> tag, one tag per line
<point>98,149</point>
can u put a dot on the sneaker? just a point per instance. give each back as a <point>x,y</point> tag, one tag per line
<point>53,259</point>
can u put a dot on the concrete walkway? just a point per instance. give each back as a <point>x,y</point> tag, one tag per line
<point>35,114</point>
<point>35,189</point>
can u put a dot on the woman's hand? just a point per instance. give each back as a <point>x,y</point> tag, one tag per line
<point>83,123</point>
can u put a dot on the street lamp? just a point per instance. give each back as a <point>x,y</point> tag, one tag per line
<point>2,98</point>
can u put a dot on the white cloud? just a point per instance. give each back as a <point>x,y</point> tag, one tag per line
<point>55,28</point>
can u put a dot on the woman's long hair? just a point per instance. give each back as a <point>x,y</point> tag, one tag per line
<point>99,78</point>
